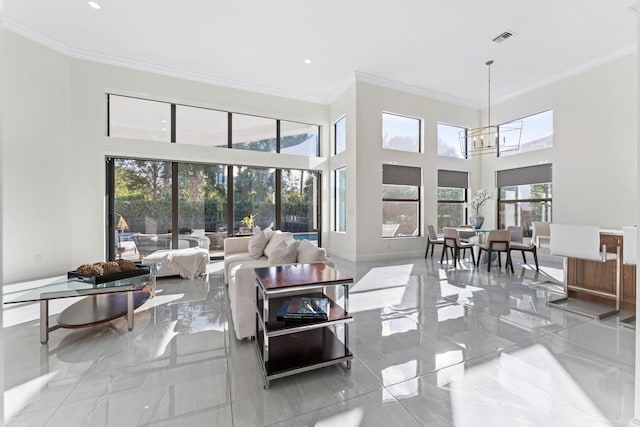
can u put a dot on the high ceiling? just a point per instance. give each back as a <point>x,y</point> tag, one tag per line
<point>437,47</point>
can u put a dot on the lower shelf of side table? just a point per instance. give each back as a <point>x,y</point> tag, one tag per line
<point>302,351</point>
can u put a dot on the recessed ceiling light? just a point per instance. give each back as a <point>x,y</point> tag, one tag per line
<point>307,61</point>
<point>94,5</point>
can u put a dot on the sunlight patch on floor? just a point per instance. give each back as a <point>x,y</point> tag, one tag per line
<point>18,397</point>
<point>528,384</point>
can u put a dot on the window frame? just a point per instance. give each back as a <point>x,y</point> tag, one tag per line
<point>335,135</point>
<point>523,120</point>
<point>110,172</point>
<point>336,201</point>
<point>403,176</point>
<point>420,148</point>
<point>465,210</point>
<point>173,130</point>
<point>463,154</point>
<point>502,202</point>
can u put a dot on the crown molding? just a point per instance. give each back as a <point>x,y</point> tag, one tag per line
<point>414,90</point>
<point>341,88</point>
<point>18,28</point>
<point>117,61</point>
<point>569,73</point>
<point>356,76</point>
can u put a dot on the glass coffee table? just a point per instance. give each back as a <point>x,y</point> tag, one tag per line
<point>105,301</point>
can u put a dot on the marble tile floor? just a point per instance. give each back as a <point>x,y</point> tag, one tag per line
<point>433,345</point>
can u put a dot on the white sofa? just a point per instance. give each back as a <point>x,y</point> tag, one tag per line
<point>239,275</point>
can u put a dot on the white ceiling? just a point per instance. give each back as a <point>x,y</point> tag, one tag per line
<point>432,46</point>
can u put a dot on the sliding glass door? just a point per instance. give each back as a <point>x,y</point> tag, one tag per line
<point>254,201</point>
<point>299,197</point>
<point>202,206</point>
<point>142,200</point>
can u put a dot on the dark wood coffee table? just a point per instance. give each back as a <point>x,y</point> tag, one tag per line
<point>286,348</point>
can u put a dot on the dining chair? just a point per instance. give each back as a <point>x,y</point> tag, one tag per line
<point>517,244</point>
<point>452,241</point>
<point>541,233</point>
<point>432,240</point>
<point>464,234</point>
<point>497,241</point>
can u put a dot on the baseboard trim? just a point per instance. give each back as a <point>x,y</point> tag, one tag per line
<point>390,255</point>
<point>340,254</point>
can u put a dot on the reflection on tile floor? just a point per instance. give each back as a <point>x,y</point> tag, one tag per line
<point>432,345</point>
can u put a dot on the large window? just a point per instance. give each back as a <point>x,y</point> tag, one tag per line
<point>145,119</point>
<point>340,200</point>
<point>202,204</point>
<point>400,201</point>
<point>537,133</point>
<point>142,206</point>
<point>340,132</point>
<point>253,197</point>
<point>525,196</point>
<point>201,126</point>
<point>253,133</point>
<point>139,119</point>
<point>300,203</point>
<point>449,141</point>
<point>299,138</point>
<point>452,195</point>
<point>155,205</point>
<point>400,133</point>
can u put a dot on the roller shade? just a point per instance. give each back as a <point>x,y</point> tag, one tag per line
<point>522,176</point>
<point>453,179</point>
<point>401,175</point>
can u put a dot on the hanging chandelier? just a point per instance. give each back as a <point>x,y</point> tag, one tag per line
<point>491,139</point>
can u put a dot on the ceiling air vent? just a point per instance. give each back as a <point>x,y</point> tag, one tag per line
<point>502,37</point>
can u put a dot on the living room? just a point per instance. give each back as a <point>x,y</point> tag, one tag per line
<point>55,145</point>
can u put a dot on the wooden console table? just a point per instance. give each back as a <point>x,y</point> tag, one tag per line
<point>601,276</point>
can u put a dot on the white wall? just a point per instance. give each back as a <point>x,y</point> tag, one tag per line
<point>343,244</point>
<point>54,165</point>
<point>372,101</point>
<point>55,145</point>
<point>594,155</point>
<point>2,94</point>
<point>38,198</point>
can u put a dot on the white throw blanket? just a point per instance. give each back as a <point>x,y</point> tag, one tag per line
<point>188,263</point>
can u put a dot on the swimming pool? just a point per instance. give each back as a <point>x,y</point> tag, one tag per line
<point>306,236</point>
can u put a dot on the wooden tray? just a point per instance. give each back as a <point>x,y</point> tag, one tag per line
<point>140,271</point>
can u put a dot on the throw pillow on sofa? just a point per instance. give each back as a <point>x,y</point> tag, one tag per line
<point>308,253</point>
<point>257,244</point>
<point>285,253</point>
<point>274,241</point>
